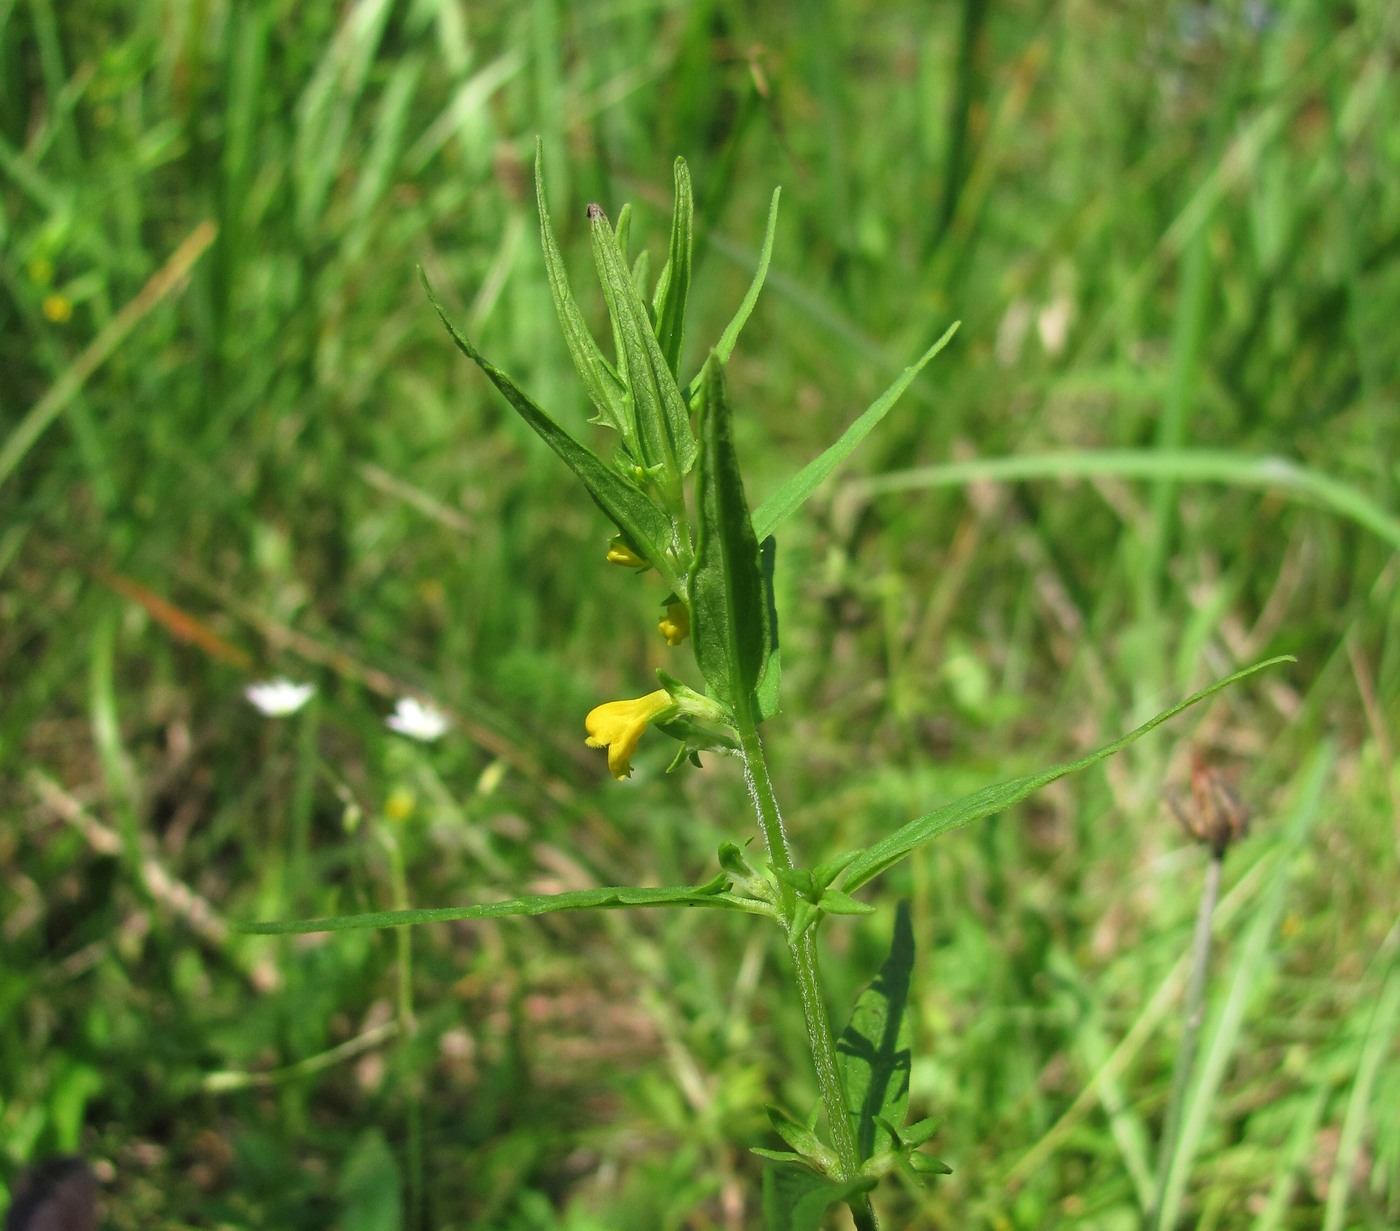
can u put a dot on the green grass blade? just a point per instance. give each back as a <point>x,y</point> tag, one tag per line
<point>169,278</point>
<point>791,496</point>
<point>1301,1143</point>
<point>326,107</point>
<point>712,893</point>
<point>908,838</point>
<point>1223,1033</point>
<point>1380,1033</point>
<point>1183,465</point>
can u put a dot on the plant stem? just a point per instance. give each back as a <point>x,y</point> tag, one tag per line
<point>803,949</point>
<point>1192,1016</point>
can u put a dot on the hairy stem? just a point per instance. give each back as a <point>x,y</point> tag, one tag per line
<point>803,949</point>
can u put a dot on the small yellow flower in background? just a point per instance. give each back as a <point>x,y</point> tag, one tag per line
<point>58,308</point>
<point>618,726</point>
<point>620,553</point>
<point>400,805</point>
<point>675,624</point>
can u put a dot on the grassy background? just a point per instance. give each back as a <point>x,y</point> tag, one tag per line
<point>1164,228</point>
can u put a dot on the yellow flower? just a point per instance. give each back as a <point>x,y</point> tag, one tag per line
<point>675,624</point>
<point>618,726</point>
<point>620,553</point>
<point>58,308</point>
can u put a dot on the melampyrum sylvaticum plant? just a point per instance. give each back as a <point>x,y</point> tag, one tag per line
<point>673,498</point>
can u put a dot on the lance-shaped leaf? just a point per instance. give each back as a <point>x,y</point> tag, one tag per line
<point>600,380</point>
<point>889,851</point>
<point>793,494</point>
<point>713,893</point>
<point>873,1052</point>
<point>728,606</point>
<point>725,346</point>
<point>673,287</point>
<point>663,422</point>
<point>767,695</point>
<point>630,509</point>
<point>796,1199</point>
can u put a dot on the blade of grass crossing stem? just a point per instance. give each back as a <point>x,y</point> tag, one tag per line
<point>1379,1035</point>
<point>1223,1029</point>
<point>728,606</point>
<point>618,897</point>
<point>908,838</point>
<point>1300,1147</point>
<point>794,493</point>
<point>1183,465</point>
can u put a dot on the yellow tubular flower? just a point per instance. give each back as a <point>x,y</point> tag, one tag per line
<point>675,624</point>
<point>620,553</point>
<point>618,726</point>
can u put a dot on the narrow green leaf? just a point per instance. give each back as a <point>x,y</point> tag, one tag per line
<point>793,494</point>
<point>641,273</point>
<point>796,1199</point>
<point>713,893</point>
<point>725,346</point>
<point>728,607</point>
<point>768,694</point>
<point>874,1051</point>
<point>623,231</point>
<point>623,501</point>
<point>600,380</point>
<point>673,289</point>
<point>661,416</point>
<point>908,838</point>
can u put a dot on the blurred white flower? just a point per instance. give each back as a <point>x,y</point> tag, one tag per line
<point>1053,324</point>
<point>413,718</point>
<point>280,697</point>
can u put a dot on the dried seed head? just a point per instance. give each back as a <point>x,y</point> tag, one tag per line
<point>1215,814</point>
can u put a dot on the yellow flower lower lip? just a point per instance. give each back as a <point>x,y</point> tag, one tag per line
<point>618,726</point>
<point>675,624</point>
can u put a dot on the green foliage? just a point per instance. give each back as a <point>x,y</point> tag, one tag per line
<point>874,1049</point>
<point>797,1200</point>
<point>730,603</point>
<point>233,446</point>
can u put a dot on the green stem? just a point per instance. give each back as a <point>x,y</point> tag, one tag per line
<point>803,949</point>
<point>408,1026</point>
<point>1192,1016</point>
